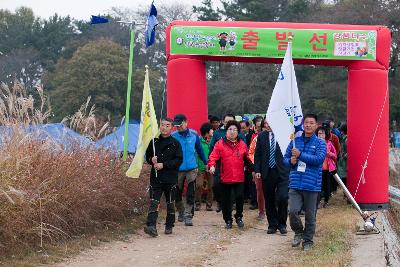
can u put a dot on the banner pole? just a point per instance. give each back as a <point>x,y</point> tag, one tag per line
<point>128,92</point>
<point>291,88</point>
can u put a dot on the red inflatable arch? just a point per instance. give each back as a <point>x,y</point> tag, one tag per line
<point>367,93</point>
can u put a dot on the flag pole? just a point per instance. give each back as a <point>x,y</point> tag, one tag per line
<point>152,126</point>
<point>128,91</point>
<point>290,38</point>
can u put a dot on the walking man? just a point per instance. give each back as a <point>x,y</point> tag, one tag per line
<point>305,161</point>
<point>269,166</point>
<point>164,176</point>
<point>190,143</point>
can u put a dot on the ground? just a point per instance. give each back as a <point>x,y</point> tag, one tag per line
<point>208,243</point>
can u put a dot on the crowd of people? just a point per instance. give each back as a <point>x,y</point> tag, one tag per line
<point>236,162</point>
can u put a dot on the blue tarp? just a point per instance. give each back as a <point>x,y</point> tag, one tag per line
<point>54,132</point>
<point>396,140</point>
<point>115,140</point>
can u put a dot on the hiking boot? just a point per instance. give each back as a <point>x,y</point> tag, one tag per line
<point>271,230</point>
<point>326,205</point>
<point>218,207</point>
<point>151,230</point>
<point>209,207</point>
<point>297,240</point>
<point>188,221</point>
<point>180,217</point>
<point>197,207</point>
<point>282,230</point>
<point>307,246</point>
<point>240,222</point>
<point>168,230</point>
<point>228,225</point>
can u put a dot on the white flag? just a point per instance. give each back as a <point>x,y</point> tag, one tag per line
<point>284,113</point>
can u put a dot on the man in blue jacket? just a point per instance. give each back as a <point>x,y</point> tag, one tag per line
<point>190,143</point>
<point>305,159</point>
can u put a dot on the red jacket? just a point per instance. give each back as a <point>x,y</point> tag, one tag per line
<point>233,158</point>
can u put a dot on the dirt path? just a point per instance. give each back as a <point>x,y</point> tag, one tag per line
<point>207,243</point>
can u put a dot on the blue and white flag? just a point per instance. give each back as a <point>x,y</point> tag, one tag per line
<point>98,20</point>
<point>284,114</point>
<point>151,26</point>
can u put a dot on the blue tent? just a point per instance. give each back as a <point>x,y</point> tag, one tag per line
<point>54,132</point>
<point>115,140</point>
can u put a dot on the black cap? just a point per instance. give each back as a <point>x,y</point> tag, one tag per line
<point>179,118</point>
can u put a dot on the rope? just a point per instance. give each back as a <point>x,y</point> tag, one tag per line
<point>362,177</point>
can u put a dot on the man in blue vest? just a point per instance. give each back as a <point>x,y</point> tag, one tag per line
<point>190,143</point>
<point>305,160</point>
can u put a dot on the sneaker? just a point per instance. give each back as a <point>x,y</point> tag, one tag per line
<point>282,230</point>
<point>239,222</point>
<point>271,230</point>
<point>297,240</point>
<point>307,246</point>
<point>151,230</point>
<point>188,221</point>
<point>209,207</point>
<point>197,207</point>
<point>228,225</point>
<point>180,217</point>
<point>168,230</point>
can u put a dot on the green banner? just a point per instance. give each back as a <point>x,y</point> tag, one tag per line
<point>272,43</point>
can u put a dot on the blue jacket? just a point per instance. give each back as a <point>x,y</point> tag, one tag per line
<point>313,152</point>
<point>190,143</point>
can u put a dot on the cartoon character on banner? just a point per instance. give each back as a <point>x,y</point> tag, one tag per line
<point>232,40</point>
<point>223,38</point>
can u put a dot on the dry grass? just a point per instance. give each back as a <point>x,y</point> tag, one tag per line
<point>85,122</point>
<point>16,107</point>
<point>49,196</point>
<point>333,238</point>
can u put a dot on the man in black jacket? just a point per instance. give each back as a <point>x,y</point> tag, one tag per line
<point>164,176</point>
<point>274,175</point>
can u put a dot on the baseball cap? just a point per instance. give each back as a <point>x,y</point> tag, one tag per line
<point>179,118</point>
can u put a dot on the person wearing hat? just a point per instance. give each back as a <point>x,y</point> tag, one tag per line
<point>190,143</point>
<point>164,162</point>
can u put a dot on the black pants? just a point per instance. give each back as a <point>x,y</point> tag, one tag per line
<point>276,199</point>
<point>247,184</point>
<point>326,185</point>
<point>226,200</point>
<point>156,191</point>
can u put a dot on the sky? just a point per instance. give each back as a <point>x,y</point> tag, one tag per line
<point>81,9</point>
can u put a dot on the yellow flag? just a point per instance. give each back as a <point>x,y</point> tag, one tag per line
<point>148,130</point>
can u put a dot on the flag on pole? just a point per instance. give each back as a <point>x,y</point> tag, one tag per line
<point>151,25</point>
<point>98,20</point>
<point>147,131</point>
<point>284,113</point>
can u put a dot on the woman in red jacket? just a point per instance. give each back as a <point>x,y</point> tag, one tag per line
<point>232,152</point>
